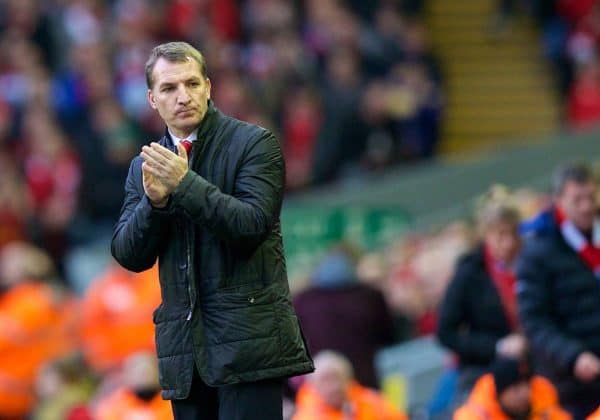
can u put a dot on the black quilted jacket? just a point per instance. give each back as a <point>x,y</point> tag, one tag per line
<point>559,306</point>
<point>225,298</point>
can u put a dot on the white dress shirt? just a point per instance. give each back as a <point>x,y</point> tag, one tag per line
<point>192,137</point>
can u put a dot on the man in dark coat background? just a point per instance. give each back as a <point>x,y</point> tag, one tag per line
<point>559,290</point>
<point>226,332</point>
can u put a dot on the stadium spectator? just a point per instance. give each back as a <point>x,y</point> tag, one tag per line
<point>14,205</point>
<point>478,316</point>
<point>37,324</point>
<point>139,396</point>
<point>332,393</point>
<point>116,317</point>
<point>334,302</point>
<point>74,71</point>
<point>64,388</point>
<point>52,175</point>
<point>559,300</point>
<point>415,287</point>
<point>584,98</point>
<point>509,392</point>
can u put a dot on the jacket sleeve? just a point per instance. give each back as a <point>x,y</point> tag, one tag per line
<point>247,216</point>
<point>453,326</point>
<point>138,232</point>
<point>535,311</point>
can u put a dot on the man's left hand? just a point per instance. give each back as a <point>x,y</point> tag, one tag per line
<point>166,166</point>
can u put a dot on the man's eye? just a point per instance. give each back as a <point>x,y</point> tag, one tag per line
<point>167,89</point>
<point>194,84</point>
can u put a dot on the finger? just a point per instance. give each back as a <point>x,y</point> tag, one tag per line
<point>156,155</point>
<point>146,170</point>
<point>154,171</point>
<point>163,150</point>
<point>152,160</point>
<point>182,151</point>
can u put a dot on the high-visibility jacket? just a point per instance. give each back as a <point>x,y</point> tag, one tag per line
<point>483,403</point>
<point>116,316</point>
<point>595,415</point>
<point>363,404</point>
<point>36,326</point>
<point>124,404</point>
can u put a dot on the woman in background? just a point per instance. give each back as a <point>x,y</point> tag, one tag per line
<point>478,315</point>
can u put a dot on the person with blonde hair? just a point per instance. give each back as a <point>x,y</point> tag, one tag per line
<point>478,315</point>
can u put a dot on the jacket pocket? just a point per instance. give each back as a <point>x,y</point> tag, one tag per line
<point>241,313</point>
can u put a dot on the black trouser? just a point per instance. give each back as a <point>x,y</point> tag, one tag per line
<point>260,400</point>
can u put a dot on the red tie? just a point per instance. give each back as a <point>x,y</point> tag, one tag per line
<point>187,145</point>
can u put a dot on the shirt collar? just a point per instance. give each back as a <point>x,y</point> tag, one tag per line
<point>192,137</point>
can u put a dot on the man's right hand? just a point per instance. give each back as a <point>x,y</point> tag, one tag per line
<point>587,367</point>
<point>155,190</point>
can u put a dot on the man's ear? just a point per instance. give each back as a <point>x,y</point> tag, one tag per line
<point>151,99</point>
<point>208,86</point>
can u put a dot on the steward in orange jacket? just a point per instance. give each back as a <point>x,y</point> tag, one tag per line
<point>507,394</point>
<point>331,394</point>
<point>595,415</point>
<point>36,326</point>
<point>116,316</point>
<point>139,397</point>
<point>362,404</point>
<point>124,403</point>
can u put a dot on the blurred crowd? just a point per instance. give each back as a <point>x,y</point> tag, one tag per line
<point>348,86</point>
<point>92,357</point>
<point>571,41</point>
<point>67,354</point>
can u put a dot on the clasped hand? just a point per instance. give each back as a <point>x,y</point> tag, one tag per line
<point>162,171</point>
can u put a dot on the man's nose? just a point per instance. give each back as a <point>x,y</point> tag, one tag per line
<point>183,97</point>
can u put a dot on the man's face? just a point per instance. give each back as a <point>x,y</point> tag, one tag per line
<point>515,400</point>
<point>330,383</point>
<point>180,94</point>
<point>577,200</point>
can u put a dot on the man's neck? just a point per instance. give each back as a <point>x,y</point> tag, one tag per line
<point>181,134</point>
<point>191,136</point>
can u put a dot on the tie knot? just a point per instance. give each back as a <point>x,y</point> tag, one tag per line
<point>187,145</point>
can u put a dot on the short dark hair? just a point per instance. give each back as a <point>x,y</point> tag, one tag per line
<point>176,52</point>
<point>574,171</point>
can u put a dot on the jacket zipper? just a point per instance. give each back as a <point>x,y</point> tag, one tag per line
<point>191,290</point>
<point>190,279</point>
<point>201,146</point>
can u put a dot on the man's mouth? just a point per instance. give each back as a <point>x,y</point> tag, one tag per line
<point>184,111</point>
